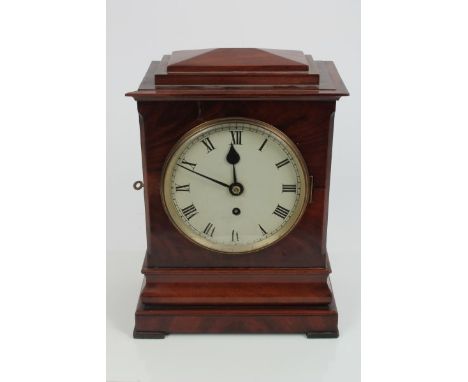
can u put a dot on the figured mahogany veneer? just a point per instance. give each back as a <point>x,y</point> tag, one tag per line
<point>315,321</point>
<point>309,124</point>
<point>280,289</point>
<point>245,286</point>
<point>237,60</point>
<point>231,67</point>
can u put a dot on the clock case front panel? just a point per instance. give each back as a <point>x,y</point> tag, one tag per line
<point>309,124</point>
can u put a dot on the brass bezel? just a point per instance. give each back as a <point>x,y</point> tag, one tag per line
<point>171,210</point>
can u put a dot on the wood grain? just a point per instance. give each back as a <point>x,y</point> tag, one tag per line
<point>153,321</point>
<point>236,67</point>
<point>306,123</point>
<point>228,286</point>
<point>237,60</point>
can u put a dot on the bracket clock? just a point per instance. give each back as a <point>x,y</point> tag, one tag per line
<point>236,147</point>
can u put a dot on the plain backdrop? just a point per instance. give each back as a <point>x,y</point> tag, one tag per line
<point>141,31</point>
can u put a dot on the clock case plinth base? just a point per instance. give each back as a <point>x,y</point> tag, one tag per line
<point>159,321</point>
<point>244,300</point>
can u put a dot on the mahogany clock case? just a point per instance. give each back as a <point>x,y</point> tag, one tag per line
<point>283,288</point>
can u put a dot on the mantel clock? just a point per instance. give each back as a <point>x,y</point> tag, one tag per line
<point>236,147</point>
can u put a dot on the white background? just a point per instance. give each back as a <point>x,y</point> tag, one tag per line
<point>139,32</point>
<point>52,205</point>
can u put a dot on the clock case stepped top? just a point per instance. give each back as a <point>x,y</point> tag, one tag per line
<point>240,73</point>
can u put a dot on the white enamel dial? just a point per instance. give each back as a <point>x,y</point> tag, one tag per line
<point>235,185</point>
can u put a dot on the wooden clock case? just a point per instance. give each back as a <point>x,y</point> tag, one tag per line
<point>284,288</point>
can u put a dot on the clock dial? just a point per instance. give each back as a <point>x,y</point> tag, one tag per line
<point>235,185</point>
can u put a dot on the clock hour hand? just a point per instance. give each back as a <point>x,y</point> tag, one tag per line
<point>204,176</point>
<point>233,158</point>
<point>234,173</point>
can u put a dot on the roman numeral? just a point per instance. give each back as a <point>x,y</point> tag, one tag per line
<point>185,187</point>
<point>262,229</point>
<point>189,211</point>
<point>235,235</point>
<point>236,137</point>
<point>263,145</point>
<point>281,212</point>
<point>208,144</point>
<point>193,165</point>
<point>209,229</point>
<point>289,188</point>
<point>282,163</point>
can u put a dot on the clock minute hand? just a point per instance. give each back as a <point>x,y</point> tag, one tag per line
<point>204,176</point>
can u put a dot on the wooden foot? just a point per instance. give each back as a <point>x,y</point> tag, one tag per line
<point>149,335</point>
<point>322,334</point>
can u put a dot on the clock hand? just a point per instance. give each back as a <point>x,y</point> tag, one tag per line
<point>204,176</point>
<point>233,158</point>
<point>234,173</point>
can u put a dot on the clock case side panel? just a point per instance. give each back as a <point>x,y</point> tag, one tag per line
<point>307,123</point>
